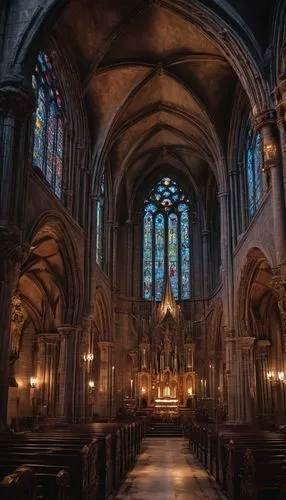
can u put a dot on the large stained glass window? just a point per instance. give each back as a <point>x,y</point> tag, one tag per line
<point>166,241</point>
<point>254,164</point>
<point>48,125</point>
<point>100,224</point>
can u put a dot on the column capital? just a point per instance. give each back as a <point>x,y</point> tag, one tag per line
<point>49,338</point>
<point>223,194</point>
<point>265,117</point>
<point>245,342</point>
<point>67,330</point>
<point>11,246</point>
<point>17,96</point>
<point>105,344</point>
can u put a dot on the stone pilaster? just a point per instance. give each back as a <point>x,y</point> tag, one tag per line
<point>47,372</point>
<point>231,378</point>
<point>68,369</point>
<point>245,379</point>
<point>106,379</point>
<point>263,387</point>
<point>205,244</point>
<point>17,102</point>
<point>266,124</point>
<point>12,255</point>
<point>280,96</point>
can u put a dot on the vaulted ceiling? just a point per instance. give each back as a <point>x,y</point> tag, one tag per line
<point>158,89</point>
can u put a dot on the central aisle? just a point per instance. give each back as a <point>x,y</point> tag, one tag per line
<point>165,470</point>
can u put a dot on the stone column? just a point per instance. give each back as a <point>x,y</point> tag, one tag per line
<point>226,258</point>
<point>47,372</point>
<point>231,374</point>
<point>84,375</point>
<point>68,368</point>
<point>265,122</point>
<point>16,105</point>
<point>281,121</point>
<point>245,379</point>
<point>263,386</point>
<point>205,240</point>
<point>105,378</point>
<point>129,267</point>
<point>233,206</point>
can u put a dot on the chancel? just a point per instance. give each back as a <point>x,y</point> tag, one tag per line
<point>142,249</point>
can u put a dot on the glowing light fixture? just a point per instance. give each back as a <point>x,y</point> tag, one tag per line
<point>88,357</point>
<point>33,382</point>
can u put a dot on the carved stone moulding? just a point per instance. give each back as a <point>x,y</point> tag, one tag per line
<point>17,96</point>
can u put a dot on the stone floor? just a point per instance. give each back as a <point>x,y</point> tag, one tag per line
<point>165,470</point>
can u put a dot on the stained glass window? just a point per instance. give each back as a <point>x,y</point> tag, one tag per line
<point>253,171</point>
<point>159,254</point>
<point>48,124</point>
<point>100,224</point>
<point>166,241</point>
<point>185,255</point>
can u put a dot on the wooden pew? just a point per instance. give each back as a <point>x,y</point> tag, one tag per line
<point>19,485</point>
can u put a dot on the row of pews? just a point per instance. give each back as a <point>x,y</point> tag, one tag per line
<point>248,463</point>
<point>75,462</point>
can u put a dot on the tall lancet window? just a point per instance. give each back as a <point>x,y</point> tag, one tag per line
<point>48,124</point>
<point>254,163</point>
<point>100,224</point>
<point>166,241</point>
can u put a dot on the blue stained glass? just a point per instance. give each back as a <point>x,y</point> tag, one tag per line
<point>257,167</point>
<point>185,256</point>
<point>52,126</point>
<point>150,208</point>
<point>253,171</point>
<point>165,219</point>
<point>159,255</point>
<point>173,252</point>
<point>59,159</point>
<point>100,224</point>
<point>48,127</point>
<point>147,256</point>
<point>182,207</point>
<point>39,130</point>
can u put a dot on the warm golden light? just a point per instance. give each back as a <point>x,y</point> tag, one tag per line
<point>270,375</point>
<point>281,376</point>
<point>88,357</point>
<point>270,151</point>
<point>91,384</point>
<point>143,390</point>
<point>33,382</point>
<point>166,400</point>
<point>190,391</point>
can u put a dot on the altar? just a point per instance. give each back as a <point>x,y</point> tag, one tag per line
<point>165,377</point>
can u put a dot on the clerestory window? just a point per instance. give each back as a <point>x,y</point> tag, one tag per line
<point>48,124</point>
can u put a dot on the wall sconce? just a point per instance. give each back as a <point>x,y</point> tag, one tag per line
<point>278,377</point>
<point>91,385</point>
<point>33,382</point>
<point>88,357</point>
<point>190,391</point>
<point>270,376</point>
<point>270,151</point>
<point>143,390</point>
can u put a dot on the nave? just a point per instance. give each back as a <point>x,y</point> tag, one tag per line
<point>166,470</point>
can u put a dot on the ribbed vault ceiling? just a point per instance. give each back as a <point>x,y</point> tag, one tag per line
<point>158,89</point>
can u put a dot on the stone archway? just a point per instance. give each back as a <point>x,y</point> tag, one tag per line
<point>259,350</point>
<point>42,306</point>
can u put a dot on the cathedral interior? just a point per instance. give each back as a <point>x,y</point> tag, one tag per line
<point>143,239</point>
